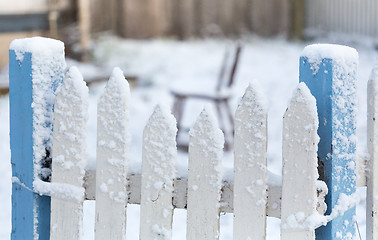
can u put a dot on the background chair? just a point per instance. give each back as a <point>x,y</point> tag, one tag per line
<point>219,96</point>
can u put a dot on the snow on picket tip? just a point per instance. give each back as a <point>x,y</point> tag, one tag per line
<point>254,93</point>
<point>159,145</point>
<point>117,82</point>
<point>302,94</point>
<point>207,124</point>
<point>74,82</point>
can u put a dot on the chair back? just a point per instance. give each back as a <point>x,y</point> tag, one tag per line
<point>229,66</point>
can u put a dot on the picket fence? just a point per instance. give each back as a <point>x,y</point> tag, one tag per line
<point>157,189</point>
<point>299,201</point>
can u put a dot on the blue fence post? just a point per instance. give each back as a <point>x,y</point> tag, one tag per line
<point>330,73</point>
<point>36,67</point>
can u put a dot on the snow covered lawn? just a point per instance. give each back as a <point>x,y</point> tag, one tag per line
<point>159,63</point>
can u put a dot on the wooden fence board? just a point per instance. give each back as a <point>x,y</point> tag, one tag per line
<point>250,170</point>
<point>372,137</point>
<point>68,165</point>
<point>299,170</point>
<point>111,163</point>
<point>204,178</point>
<point>158,172</point>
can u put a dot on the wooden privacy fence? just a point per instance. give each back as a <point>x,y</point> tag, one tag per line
<point>342,16</point>
<point>190,18</point>
<point>36,70</point>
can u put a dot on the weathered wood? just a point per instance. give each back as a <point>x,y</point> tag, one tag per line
<point>372,144</point>
<point>204,178</point>
<point>208,17</point>
<point>112,156</point>
<point>189,18</point>
<point>299,170</point>
<point>84,26</point>
<point>158,173</point>
<point>68,165</point>
<point>250,170</point>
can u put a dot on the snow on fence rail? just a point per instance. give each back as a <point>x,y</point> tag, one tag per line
<point>299,202</point>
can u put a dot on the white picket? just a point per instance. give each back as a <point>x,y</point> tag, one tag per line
<point>372,175</point>
<point>299,170</point>
<point>111,163</point>
<point>158,172</point>
<point>68,153</point>
<point>250,178</point>
<point>204,178</point>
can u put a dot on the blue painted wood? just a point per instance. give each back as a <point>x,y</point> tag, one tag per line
<point>334,165</point>
<point>30,211</point>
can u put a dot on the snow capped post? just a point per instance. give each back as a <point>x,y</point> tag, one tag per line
<point>330,73</point>
<point>36,67</point>
<point>204,178</point>
<point>299,166</point>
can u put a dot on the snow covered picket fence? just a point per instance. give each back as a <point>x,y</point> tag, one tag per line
<point>158,190</point>
<point>35,74</point>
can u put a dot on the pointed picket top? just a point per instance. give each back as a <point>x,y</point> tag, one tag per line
<point>68,157</point>
<point>206,128</point>
<point>158,172</point>
<point>253,96</point>
<point>112,156</point>
<point>117,85</point>
<point>204,178</point>
<point>250,172</point>
<point>71,106</point>
<point>302,96</point>
<point>299,171</point>
<point>372,138</point>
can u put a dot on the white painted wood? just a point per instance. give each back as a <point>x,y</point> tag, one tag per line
<point>111,163</point>
<point>299,172</point>
<point>250,172</point>
<point>204,178</point>
<point>372,144</point>
<point>158,173</point>
<point>361,170</point>
<point>68,164</point>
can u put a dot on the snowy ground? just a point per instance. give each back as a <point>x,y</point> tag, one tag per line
<point>160,63</point>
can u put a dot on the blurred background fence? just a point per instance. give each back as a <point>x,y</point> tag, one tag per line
<point>77,21</point>
<point>352,17</point>
<point>188,18</point>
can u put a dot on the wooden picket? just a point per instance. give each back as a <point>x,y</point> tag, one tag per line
<point>299,170</point>
<point>111,164</point>
<point>69,163</point>
<point>372,179</point>
<point>250,171</point>
<point>204,178</point>
<point>158,173</point>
